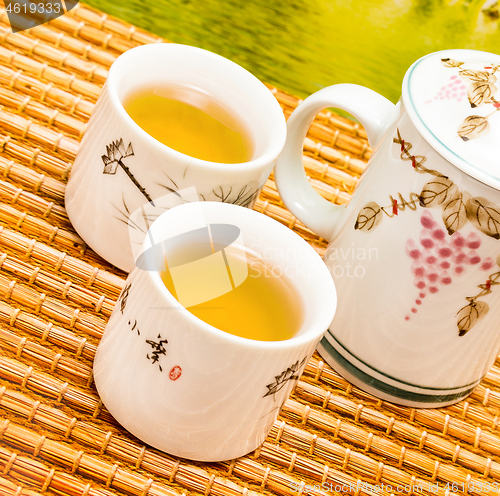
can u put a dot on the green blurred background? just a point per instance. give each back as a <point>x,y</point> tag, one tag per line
<point>304,45</point>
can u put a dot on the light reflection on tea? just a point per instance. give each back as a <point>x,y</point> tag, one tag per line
<point>265,306</point>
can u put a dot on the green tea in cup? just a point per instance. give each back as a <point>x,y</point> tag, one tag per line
<point>191,122</point>
<point>265,306</point>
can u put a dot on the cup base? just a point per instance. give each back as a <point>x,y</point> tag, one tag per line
<point>176,442</point>
<point>390,389</point>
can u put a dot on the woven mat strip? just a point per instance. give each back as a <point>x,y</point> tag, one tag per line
<point>55,435</point>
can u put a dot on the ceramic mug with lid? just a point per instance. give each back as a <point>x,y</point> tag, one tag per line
<point>415,255</point>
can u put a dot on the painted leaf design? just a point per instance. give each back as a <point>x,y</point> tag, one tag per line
<point>437,191</point>
<point>290,374</point>
<point>110,166</point>
<point>471,76</point>
<point>480,93</point>
<point>455,211</point>
<point>115,152</point>
<point>124,297</point>
<point>451,63</point>
<point>369,217</point>
<point>130,150</point>
<point>473,126</point>
<point>484,215</point>
<point>470,315</point>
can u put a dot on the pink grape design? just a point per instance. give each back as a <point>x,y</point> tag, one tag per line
<point>456,90</point>
<point>438,258</point>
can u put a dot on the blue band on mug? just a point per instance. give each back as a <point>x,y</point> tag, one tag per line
<point>427,395</point>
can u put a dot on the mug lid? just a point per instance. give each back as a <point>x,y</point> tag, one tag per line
<point>453,98</point>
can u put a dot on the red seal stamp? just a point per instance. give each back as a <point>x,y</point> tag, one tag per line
<point>175,373</point>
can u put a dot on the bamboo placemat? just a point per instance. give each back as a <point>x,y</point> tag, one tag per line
<point>56,295</point>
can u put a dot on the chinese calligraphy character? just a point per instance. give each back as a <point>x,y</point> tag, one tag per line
<point>135,327</point>
<point>158,349</point>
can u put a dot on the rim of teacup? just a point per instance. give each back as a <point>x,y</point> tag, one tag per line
<point>324,287</point>
<point>430,137</point>
<point>273,109</point>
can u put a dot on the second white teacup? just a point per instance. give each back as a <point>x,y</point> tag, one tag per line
<point>185,386</point>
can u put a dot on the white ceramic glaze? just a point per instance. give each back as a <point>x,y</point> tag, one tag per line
<point>101,192</point>
<point>192,390</point>
<point>415,253</point>
<point>452,98</point>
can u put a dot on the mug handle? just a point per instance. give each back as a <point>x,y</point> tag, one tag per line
<point>374,112</point>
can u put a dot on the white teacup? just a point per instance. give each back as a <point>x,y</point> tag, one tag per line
<point>120,167</point>
<point>186,387</point>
